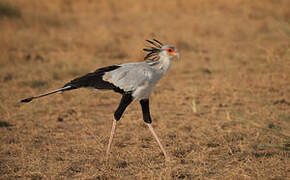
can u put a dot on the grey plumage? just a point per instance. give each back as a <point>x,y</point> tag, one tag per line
<point>133,76</point>
<point>140,78</point>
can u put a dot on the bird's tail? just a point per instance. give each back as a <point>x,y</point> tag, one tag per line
<point>26,100</point>
<point>93,80</point>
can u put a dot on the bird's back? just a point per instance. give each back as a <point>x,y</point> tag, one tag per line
<point>130,76</point>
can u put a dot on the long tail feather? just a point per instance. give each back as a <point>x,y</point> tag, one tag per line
<point>26,100</point>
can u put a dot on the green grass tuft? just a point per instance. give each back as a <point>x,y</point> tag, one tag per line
<point>283,148</point>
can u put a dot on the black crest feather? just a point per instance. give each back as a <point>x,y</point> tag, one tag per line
<point>154,50</point>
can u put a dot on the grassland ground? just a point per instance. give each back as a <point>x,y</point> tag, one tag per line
<point>222,111</point>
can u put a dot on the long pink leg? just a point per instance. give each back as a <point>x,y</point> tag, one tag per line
<point>111,138</point>
<point>158,141</point>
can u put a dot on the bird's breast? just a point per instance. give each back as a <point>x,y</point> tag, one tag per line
<point>143,91</point>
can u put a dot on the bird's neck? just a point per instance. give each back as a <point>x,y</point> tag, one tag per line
<point>163,64</point>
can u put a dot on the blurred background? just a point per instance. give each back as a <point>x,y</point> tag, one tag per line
<point>222,110</point>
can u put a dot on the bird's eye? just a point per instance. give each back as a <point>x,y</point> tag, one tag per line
<point>170,50</point>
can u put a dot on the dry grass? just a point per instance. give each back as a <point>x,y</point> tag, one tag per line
<point>236,55</point>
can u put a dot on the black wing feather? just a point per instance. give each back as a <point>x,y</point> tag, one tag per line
<point>95,80</point>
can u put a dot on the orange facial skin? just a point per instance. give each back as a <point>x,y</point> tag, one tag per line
<point>171,51</point>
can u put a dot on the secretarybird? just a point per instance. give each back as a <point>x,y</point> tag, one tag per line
<point>135,81</point>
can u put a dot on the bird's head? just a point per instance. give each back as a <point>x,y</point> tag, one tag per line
<point>158,49</point>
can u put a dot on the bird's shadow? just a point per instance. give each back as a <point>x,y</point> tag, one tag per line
<point>5,124</point>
